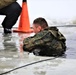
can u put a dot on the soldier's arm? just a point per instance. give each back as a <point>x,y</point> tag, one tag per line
<point>32,42</point>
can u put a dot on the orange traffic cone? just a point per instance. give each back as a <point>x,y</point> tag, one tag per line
<point>24,25</point>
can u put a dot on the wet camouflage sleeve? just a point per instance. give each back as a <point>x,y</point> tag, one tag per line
<point>38,39</point>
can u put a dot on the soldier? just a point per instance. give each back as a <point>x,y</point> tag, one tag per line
<point>12,10</point>
<point>47,41</point>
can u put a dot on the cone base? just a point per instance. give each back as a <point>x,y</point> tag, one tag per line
<point>26,31</point>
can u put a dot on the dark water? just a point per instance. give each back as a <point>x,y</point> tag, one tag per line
<point>12,55</point>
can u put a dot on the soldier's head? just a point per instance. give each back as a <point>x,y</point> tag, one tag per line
<point>39,24</point>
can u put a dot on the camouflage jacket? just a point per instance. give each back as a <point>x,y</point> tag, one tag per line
<point>4,3</point>
<point>50,41</point>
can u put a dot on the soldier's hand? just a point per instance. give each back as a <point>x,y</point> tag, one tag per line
<point>25,49</point>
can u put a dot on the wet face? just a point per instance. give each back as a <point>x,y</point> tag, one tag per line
<point>37,28</point>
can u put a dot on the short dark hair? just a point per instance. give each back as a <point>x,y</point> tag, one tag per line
<point>41,21</point>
